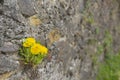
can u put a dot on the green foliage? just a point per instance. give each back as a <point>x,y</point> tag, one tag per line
<point>32,53</point>
<point>94,59</point>
<point>97,31</point>
<point>105,47</point>
<point>87,14</point>
<point>100,49</point>
<point>92,41</point>
<point>88,4</point>
<point>90,19</point>
<point>110,69</point>
<point>29,58</point>
<point>108,39</point>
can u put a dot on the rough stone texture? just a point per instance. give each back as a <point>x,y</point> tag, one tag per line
<point>9,48</point>
<point>26,7</point>
<point>7,64</point>
<point>72,30</point>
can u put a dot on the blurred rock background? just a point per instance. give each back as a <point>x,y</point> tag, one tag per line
<point>72,30</point>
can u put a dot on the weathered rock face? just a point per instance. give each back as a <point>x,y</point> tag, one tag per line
<point>7,64</point>
<point>26,7</point>
<point>72,30</point>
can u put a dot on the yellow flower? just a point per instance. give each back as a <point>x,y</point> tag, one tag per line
<point>43,50</point>
<point>35,49</point>
<point>29,42</point>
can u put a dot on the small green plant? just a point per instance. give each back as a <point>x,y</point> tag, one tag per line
<point>100,49</point>
<point>105,47</point>
<point>108,41</point>
<point>90,19</point>
<point>87,14</point>
<point>32,52</point>
<point>97,30</point>
<point>110,69</point>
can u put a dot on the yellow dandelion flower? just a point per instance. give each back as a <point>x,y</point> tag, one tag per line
<point>35,49</point>
<point>43,50</point>
<point>29,42</point>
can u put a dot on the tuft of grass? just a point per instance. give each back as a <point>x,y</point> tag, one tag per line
<point>90,18</point>
<point>87,14</point>
<point>97,30</point>
<point>110,69</point>
<point>108,40</point>
<point>103,48</point>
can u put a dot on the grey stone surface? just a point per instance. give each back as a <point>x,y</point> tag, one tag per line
<point>26,7</point>
<point>72,30</point>
<point>9,48</point>
<point>8,64</point>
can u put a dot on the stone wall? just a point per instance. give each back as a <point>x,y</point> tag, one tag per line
<point>72,30</point>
